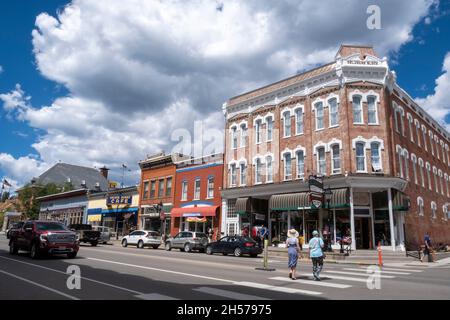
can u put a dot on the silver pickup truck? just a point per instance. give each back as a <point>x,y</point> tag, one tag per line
<point>105,233</point>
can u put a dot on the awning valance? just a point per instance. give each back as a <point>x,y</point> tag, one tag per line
<point>289,201</point>
<point>243,205</point>
<point>340,198</point>
<point>208,211</point>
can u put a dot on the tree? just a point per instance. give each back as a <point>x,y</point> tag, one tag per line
<point>29,206</point>
<point>5,196</point>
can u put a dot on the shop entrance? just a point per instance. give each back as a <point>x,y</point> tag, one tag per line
<point>311,225</point>
<point>363,233</point>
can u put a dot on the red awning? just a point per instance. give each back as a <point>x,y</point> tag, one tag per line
<point>194,211</point>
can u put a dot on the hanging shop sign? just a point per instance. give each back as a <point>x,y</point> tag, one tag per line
<point>316,200</point>
<point>315,184</point>
<point>118,200</point>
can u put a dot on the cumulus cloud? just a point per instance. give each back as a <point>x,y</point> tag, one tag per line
<point>437,103</point>
<point>138,70</point>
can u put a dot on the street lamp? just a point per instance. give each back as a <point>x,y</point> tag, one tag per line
<point>328,195</point>
<point>158,208</point>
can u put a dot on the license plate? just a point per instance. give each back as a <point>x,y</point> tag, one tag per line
<point>62,248</point>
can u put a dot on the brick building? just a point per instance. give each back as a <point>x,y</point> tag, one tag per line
<point>197,203</point>
<point>385,159</point>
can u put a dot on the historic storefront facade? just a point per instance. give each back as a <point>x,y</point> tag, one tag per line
<point>382,155</point>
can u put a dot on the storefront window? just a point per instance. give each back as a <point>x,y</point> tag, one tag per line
<point>382,227</point>
<point>279,226</point>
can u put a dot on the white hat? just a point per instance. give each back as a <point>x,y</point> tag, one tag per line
<point>293,233</point>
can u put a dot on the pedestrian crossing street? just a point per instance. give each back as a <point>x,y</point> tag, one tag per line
<point>344,277</point>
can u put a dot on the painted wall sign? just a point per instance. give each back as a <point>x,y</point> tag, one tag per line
<point>118,200</point>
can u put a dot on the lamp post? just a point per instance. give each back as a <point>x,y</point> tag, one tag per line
<point>158,209</point>
<point>328,195</point>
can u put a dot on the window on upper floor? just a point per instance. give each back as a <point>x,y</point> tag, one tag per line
<point>357,110</point>
<point>420,206</point>
<point>210,187</point>
<point>269,169</point>
<point>406,159</point>
<point>321,161</point>
<point>243,135</point>
<point>161,188</point>
<point>428,168</point>
<point>334,112</point>
<point>433,209</point>
<point>233,175</point>
<point>299,121</point>
<point>410,126</point>
<point>319,115</point>
<point>335,159</point>
<point>258,171</point>
<point>269,128</point>
<point>234,138</point>
<point>417,125</point>
<point>441,182</point>
<point>184,190</point>
<point>360,157</point>
<point>287,166</point>
<point>372,110</point>
<point>243,177</point>
<point>145,194</point>
<point>400,162</point>
<point>168,186</point>
<point>436,185</point>
<point>446,184</point>
<point>152,189</point>
<point>424,138</point>
<point>414,166</point>
<point>421,172</point>
<point>287,123</point>
<point>300,156</point>
<point>445,211</point>
<point>258,131</point>
<point>430,134</point>
<point>375,156</point>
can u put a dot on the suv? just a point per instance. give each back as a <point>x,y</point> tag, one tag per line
<point>16,225</point>
<point>187,241</point>
<point>44,237</point>
<point>142,238</point>
<point>85,233</point>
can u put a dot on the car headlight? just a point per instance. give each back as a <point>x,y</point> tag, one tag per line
<point>43,237</point>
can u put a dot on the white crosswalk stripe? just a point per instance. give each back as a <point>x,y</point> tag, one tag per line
<point>383,271</point>
<point>363,274</point>
<point>275,288</point>
<point>400,269</point>
<point>228,294</point>
<point>312,282</point>
<point>332,276</point>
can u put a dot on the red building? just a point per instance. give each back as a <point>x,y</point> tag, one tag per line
<point>197,199</point>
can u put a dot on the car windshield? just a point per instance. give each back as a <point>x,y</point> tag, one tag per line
<point>154,234</point>
<point>200,235</point>
<point>50,226</point>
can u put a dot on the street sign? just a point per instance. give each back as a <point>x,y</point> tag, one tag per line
<point>316,200</point>
<point>315,184</point>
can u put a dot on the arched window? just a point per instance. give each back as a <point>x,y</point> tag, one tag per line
<point>335,159</point>
<point>258,171</point>
<point>258,137</point>
<point>420,206</point>
<point>357,110</point>
<point>360,157</point>
<point>421,172</point>
<point>319,115</point>
<point>269,169</point>
<point>406,159</point>
<point>431,141</point>
<point>410,125</point>
<point>401,114</point>
<point>287,166</point>
<point>243,177</point>
<point>372,110</point>
<point>233,137</point>
<point>414,166</point>
<point>424,137</point>
<point>299,121</point>
<point>243,135</point>
<point>233,174</point>
<point>375,156</point>
<point>287,123</point>
<point>433,209</point>
<point>446,184</point>
<point>269,128</point>
<point>441,182</point>
<point>435,175</point>
<point>400,161</point>
<point>428,167</point>
<point>445,211</point>
<point>321,161</point>
<point>417,125</point>
<point>334,112</point>
<point>300,155</point>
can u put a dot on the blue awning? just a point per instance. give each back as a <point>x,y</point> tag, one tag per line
<point>132,210</point>
<point>94,211</point>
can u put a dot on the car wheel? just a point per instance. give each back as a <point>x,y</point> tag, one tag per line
<point>168,246</point>
<point>140,244</point>
<point>187,247</point>
<point>209,250</point>
<point>94,243</point>
<point>237,252</point>
<point>13,248</point>
<point>72,255</point>
<point>124,243</point>
<point>34,252</point>
<point>155,246</point>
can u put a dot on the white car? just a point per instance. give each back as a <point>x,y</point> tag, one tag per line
<point>142,238</point>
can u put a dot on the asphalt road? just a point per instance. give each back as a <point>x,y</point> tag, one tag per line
<point>112,272</point>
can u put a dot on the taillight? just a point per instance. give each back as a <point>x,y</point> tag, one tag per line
<point>249,244</point>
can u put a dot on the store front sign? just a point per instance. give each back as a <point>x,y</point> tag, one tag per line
<point>315,184</point>
<point>118,200</point>
<point>316,200</point>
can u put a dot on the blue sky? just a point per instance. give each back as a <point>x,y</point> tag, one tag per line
<point>65,80</point>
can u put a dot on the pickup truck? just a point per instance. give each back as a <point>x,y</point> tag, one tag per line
<point>43,237</point>
<point>16,225</point>
<point>86,233</point>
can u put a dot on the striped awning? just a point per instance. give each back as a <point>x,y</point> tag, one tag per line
<point>289,201</point>
<point>339,199</point>
<point>243,205</point>
<point>400,201</point>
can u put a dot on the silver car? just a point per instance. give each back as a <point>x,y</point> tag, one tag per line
<point>105,233</point>
<point>143,238</point>
<point>187,241</point>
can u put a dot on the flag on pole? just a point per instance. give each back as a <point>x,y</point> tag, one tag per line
<point>6,183</point>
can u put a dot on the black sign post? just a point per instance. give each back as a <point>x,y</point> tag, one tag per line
<point>315,184</point>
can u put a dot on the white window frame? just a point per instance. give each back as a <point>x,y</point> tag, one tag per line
<point>430,134</point>
<point>244,130</point>
<point>360,96</point>
<point>376,110</point>
<point>316,104</point>
<point>283,155</point>
<point>197,195</point>
<point>297,157</point>
<point>258,164</point>
<point>424,136</point>
<point>441,182</point>
<point>417,125</point>
<point>269,119</point>
<point>184,190</point>
<point>401,111</point>
<point>333,169</point>
<point>299,109</point>
<point>233,174</point>
<point>379,154</point>
<point>210,191</point>
<point>422,176</point>
<point>433,210</point>
<point>324,159</point>
<point>405,155</point>
<point>330,124</point>
<point>287,122</point>
<point>410,124</point>
<point>269,173</point>
<point>414,162</point>
<point>233,132</point>
<point>436,183</point>
<point>242,177</point>
<point>420,205</point>
<point>428,168</point>
<point>446,184</point>
<point>258,130</point>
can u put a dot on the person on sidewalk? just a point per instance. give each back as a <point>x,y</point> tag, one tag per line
<point>427,249</point>
<point>293,252</point>
<point>316,254</point>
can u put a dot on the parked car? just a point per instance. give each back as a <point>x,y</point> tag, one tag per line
<point>44,237</point>
<point>16,225</point>
<point>187,241</point>
<point>143,238</point>
<point>105,233</point>
<point>237,245</point>
<point>85,233</point>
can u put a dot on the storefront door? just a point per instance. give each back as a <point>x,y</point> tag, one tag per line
<point>363,233</point>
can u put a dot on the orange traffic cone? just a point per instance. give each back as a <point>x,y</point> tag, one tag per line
<point>380,255</point>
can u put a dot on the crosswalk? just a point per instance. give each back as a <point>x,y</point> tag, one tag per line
<point>333,278</point>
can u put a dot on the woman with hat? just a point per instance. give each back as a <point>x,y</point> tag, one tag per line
<point>293,251</point>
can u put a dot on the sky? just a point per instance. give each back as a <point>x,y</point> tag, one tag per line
<point>108,82</point>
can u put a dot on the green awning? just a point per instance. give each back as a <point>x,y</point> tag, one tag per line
<point>289,202</point>
<point>243,206</point>
<point>339,199</point>
<point>166,209</point>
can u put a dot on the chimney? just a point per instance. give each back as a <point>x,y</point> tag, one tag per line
<point>104,172</point>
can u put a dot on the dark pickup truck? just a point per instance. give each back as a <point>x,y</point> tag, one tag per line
<point>86,233</point>
<point>43,237</point>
